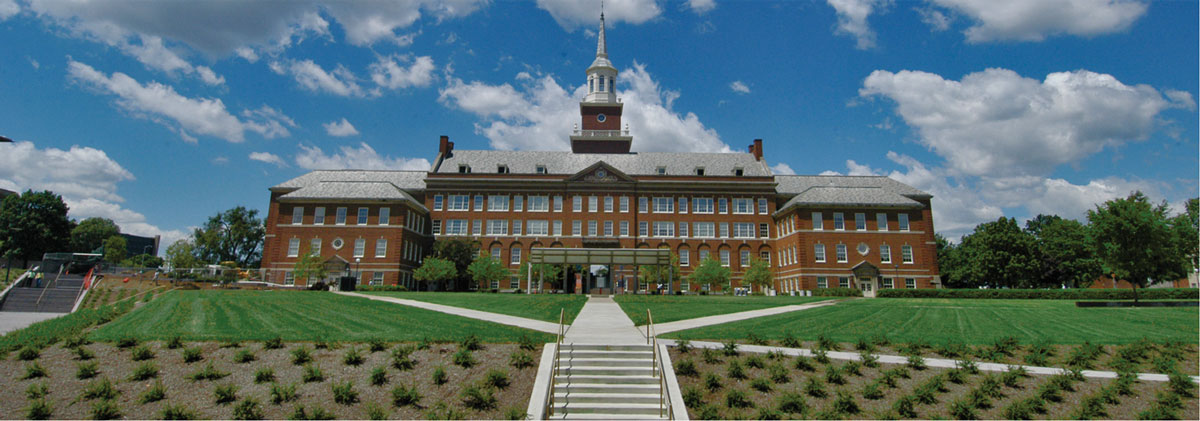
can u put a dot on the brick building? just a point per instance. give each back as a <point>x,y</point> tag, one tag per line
<point>872,232</point>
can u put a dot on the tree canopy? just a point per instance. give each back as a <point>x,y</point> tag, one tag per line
<point>658,274</point>
<point>233,235</point>
<point>1065,252</point>
<point>33,224</point>
<point>485,269</point>
<point>544,272</point>
<point>759,274</point>
<point>115,249</point>
<point>436,269</point>
<point>182,254</point>
<point>459,251</point>
<point>710,272</point>
<point>90,234</point>
<point>999,254</point>
<point>309,266</point>
<point>1136,242</point>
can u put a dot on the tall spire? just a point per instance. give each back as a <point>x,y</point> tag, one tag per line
<point>601,49</point>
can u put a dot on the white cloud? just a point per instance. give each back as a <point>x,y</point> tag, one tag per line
<point>572,14</point>
<point>247,53</point>
<point>1034,20</point>
<point>341,81</point>
<point>739,87</point>
<point>220,160</point>
<point>387,72</point>
<point>782,169</point>
<point>936,20</point>
<point>9,8</point>
<point>85,177</point>
<point>852,20</point>
<point>363,158</point>
<point>541,115</point>
<point>154,54</point>
<point>702,6</point>
<point>368,22</point>
<point>997,123</point>
<point>340,128</point>
<point>268,157</point>
<point>161,104</point>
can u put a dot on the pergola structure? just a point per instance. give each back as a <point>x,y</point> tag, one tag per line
<point>594,256</point>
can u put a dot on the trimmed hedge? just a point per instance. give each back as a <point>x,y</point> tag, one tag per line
<point>836,292</point>
<point>1045,294</point>
<point>392,288</point>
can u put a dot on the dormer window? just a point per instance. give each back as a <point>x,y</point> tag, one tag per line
<point>464,169</point>
<point>661,171</point>
<point>502,169</point>
<point>541,169</point>
<point>699,170</point>
<point>738,172</point>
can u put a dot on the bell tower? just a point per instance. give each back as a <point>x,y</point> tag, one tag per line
<point>601,131</point>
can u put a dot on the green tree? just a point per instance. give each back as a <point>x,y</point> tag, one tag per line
<point>461,252</point>
<point>90,234</point>
<point>115,249</point>
<point>1135,241</point>
<point>544,272</point>
<point>659,274</point>
<point>485,269</point>
<point>1187,227</point>
<point>233,235</point>
<point>182,254</point>
<point>710,272</point>
<point>999,254</point>
<point>1064,251</point>
<point>143,261</point>
<point>949,262</point>
<point>309,266</point>
<point>33,224</point>
<point>759,274</point>
<point>436,269</point>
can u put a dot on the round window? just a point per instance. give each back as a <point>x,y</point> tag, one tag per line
<point>601,173</point>
<point>337,243</point>
<point>863,249</point>
<point>601,118</point>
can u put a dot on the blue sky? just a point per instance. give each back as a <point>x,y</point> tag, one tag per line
<point>160,114</point>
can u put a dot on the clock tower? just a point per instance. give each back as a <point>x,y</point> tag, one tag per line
<point>601,131</point>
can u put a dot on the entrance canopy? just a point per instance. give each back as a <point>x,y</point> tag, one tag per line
<point>585,256</point>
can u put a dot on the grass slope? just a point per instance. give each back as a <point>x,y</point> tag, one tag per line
<point>967,321</point>
<point>669,308</point>
<point>295,316</point>
<point>543,307</point>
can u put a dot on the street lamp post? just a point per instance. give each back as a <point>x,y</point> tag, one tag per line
<point>357,272</point>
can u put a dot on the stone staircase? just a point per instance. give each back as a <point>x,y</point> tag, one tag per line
<point>59,298</point>
<point>606,382</point>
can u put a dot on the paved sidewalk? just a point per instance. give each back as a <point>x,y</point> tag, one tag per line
<point>13,320</point>
<point>503,319</point>
<point>932,362</point>
<point>661,328</point>
<point>603,322</point>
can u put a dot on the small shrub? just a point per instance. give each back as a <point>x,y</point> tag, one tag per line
<point>84,354</point>
<point>685,368</point>
<point>813,387</point>
<point>1084,356</point>
<point>441,411</point>
<point>376,412</point>
<point>301,356</point>
<point>1090,408</point>
<point>100,389</point>
<point>775,355</point>
<point>963,409</point>
<point>353,357</point>
<point>871,391</point>
<point>1123,384</point>
<point>864,344</point>
<point>778,373</point>
<point>736,398</point>
<point>845,404</point>
<point>916,362</point>
<point>264,375</point>
<point>316,413</point>
<point>791,403</point>
<point>439,375</point>
<point>496,378</point>
<point>424,342</point>
<point>273,343</point>
<point>142,353</point>
<point>28,353</point>
<point>853,368</point>
<point>729,348</point>
<point>684,346</point>
<point>208,373</point>
<point>402,361</point>
<point>321,343</point>
<point>1012,377</point>
<point>833,375</point>
<point>86,371</point>
<point>34,371</point>
<point>244,356</point>
<point>477,397</point>
<point>312,374</point>
<point>804,364</point>
<point>709,356</point>
<point>404,396</point>
<point>344,393</point>
<point>521,360</point>
<point>1049,391</point>
<point>767,413</point>
<point>145,371</point>
<point>1025,409</point>
<point>281,393</point>
<point>105,410</point>
<point>789,341</point>
<point>471,343</point>
<point>155,393</point>
<point>821,356</point>
<point>127,342</point>
<point>175,342</point>
<point>754,339</point>
<point>39,409</point>
<point>692,397</point>
<point>463,358</point>
<point>898,372</point>
<point>76,341</point>
<point>990,386</point>
<point>247,409</point>
<point>761,384</point>
<point>376,344</point>
<point>825,344</point>
<point>193,354</point>
<point>527,343</point>
<point>225,393</point>
<point>869,360</point>
<point>755,361</point>
<point>904,407</point>
<point>968,366</point>
<point>379,376</point>
<point>735,370</point>
<point>515,413</point>
<point>37,391</point>
<point>1181,384</point>
<point>712,382</point>
<point>176,412</point>
<point>950,349</point>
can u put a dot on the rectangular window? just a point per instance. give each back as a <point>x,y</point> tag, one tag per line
<point>360,247</point>
<point>297,215</point>
<point>459,202</point>
<point>608,228</point>
<point>664,205</point>
<point>704,229</point>
<point>724,258</point>
<point>722,205</point>
<point>683,229</point>
<point>881,221</point>
<point>743,230</point>
<point>906,254</point>
<point>377,280</point>
<point>495,284</point>
<point>608,203</point>
<point>314,246</point>
<point>591,228</point>
<point>496,254</point>
<point>664,229</point>
<point>624,204</point>
<point>515,256</point>
<point>516,225</point>
<point>743,206</point>
<point>885,254</point>
<point>888,284</point>
<point>497,203</point>
<point>497,227</point>
<point>539,228</point>
<point>822,282</point>
<point>479,203</point>
<point>558,203</point>
<point>319,215</point>
<point>437,227</point>
<point>381,247</point>
<point>624,228</point>
<point>557,228</point>
<point>341,216</point>
<point>683,205</point>
<point>766,257</point>
<point>577,228</point>
<point>762,206</point>
<point>477,227</point>
<point>764,230</point>
<point>362,216</point>
<point>385,216</point>
<point>819,253</point>
<point>744,258</point>
<point>593,204</point>
<point>577,203</point>
<point>703,255</point>
<point>293,247</point>
<point>839,221</point>
<point>289,278</point>
<point>518,203</point>
<point>702,205</point>
<point>910,283</point>
<point>643,205</point>
<point>903,217</point>
<point>643,229</point>
<point>843,282</point>
<point>684,257</point>
<point>437,202</point>
<point>860,221</point>
<point>841,253</point>
<point>456,227</point>
<point>724,226</point>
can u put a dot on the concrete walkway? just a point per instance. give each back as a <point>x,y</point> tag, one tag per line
<point>931,362</point>
<point>733,317</point>
<point>503,319</point>
<point>13,320</point>
<point>601,321</point>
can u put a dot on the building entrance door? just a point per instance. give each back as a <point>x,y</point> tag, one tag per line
<point>867,285</point>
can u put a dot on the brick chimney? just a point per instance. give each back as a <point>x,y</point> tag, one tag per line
<point>756,149</point>
<point>445,146</point>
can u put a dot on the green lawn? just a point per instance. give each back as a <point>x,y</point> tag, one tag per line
<point>543,307</point>
<point>968,321</point>
<point>295,316</point>
<point>669,308</point>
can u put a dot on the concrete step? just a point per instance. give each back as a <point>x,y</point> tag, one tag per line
<point>634,355</point>
<point>605,347</point>
<point>606,388</point>
<point>608,408</point>
<point>606,362</point>
<point>53,300</point>
<point>573,397</point>
<point>580,379</point>
<point>605,371</point>
<point>558,416</point>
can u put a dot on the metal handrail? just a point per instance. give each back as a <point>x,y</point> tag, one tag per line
<point>557,354</point>
<point>657,369</point>
<point>47,287</point>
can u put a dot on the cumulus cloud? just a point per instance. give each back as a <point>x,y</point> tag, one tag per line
<point>363,157</point>
<point>8,8</point>
<point>852,20</point>
<point>388,72</point>
<point>1034,20</point>
<point>85,177</point>
<point>161,104</point>
<point>369,22</point>
<point>936,20</point>
<point>782,169</point>
<point>739,87</point>
<point>998,123</point>
<point>340,81</point>
<point>541,114</point>
<point>268,157</point>
<point>702,6</point>
<point>340,128</point>
<point>572,14</point>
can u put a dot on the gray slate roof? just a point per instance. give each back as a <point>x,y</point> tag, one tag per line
<point>354,185</point>
<point>842,190</point>
<point>641,163</point>
<point>408,180</point>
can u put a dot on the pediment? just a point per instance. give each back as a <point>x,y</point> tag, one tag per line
<point>865,270</point>
<point>600,172</point>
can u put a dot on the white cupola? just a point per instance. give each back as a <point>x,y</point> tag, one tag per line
<point>602,76</point>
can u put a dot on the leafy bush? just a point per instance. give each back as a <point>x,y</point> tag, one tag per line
<point>754,339</point>
<point>527,342</point>
<point>825,344</point>
<point>708,412</point>
<point>176,412</point>
<point>692,397</point>
<point>813,387</point>
<point>208,373</point>
<point>778,373</point>
<point>853,368</point>
<point>244,356</point>
<point>401,360</point>
<point>175,342</point>
<point>845,404</point>
<point>709,356</point>
<point>904,407</point>
<point>441,411</point>
<point>1090,408</point>
<point>344,393</point>
<point>301,356</point>
<point>735,370</point>
<point>142,353</point>
<point>105,410</point>
<point>967,366</point>
<point>841,292</point>
<point>761,384</point>
<point>37,391</point>
<point>871,391</point>
<point>683,345</point>
<point>1012,377</point>
<point>439,375</point>
<point>868,359</point>
<point>729,348</point>
<point>521,360</point>
<point>264,375</point>
<point>789,341</point>
<point>376,344</point>
<point>155,393</point>
<point>712,382</point>
<point>281,393</point>
<point>83,353</point>
<point>685,368</point>
<point>478,397</point>
<point>833,375</point>
<point>1181,384</point>
<point>1084,356</point>
<point>736,398</point>
<point>247,409</point>
<point>963,409</point>
<point>403,396</point>
<point>803,363</point>
<point>145,371</point>
<point>193,354</point>
<point>317,413</point>
<point>34,371</point>
<point>463,358</point>
<point>379,376</point>
<point>39,409</point>
<point>471,343</point>
<point>100,389</point>
<point>225,393</point>
<point>376,412</point>
<point>273,343</point>
<point>791,403</point>
<point>312,374</point>
<point>126,342</point>
<point>28,353</point>
<point>821,356</point>
<point>353,357</point>
<point>1044,294</point>
<point>496,378</point>
<point>515,413</point>
<point>755,361</point>
<point>86,371</point>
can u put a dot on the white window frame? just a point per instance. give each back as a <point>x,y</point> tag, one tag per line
<point>593,228</point>
<point>744,229</point>
<point>624,205</point>
<point>664,229</point>
<point>608,228</point>
<point>319,215</point>
<point>843,282</point>
<point>683,204</point>
<point>593,204</point>
<point>822,282</point>
<point>557,228</point>
<point>360,247</point>
<point>819,253</point>
<point>558,203</point>
<point>377,279</point>
<point>298,215</point>
<point>496,250</point>
<point>538,228</point>
<point>839,221</point>
<point>608,204</point>
<point>289,278</point>
<point>704,229</point>
<point>683,229</point>
<point>477,227</point>
<point>860,221</point>
<point>514,255</point>
<point>743,206</point>
<point>684,257</point>
<point>341,216</point>
<point>888,283</point>
<point>885,253</point>
<point>842,255</point>
<point>293,247</point>
<point>456,227</point>
<point>458,203</point>
<point>723,229</point>
<point>906,254</point>
<point>314,246</point>
<point>576,203</point>
<point>539,203</point>
<point>762,206</point>
<point>664,205</point>
<point>577,228</point>
<point>516,227</point>
<point>723,205</point>
<point>518,203</point>
<point>903,218</point>
<point>363,213</point>
<point>437,202</point>
<point>478,203</point>
<point>702,205</point>
<point>385,216</point>
<point>881,223</point>
<point>744,258</point>
<point>497,227</point>
<point>381,247</point>
<point>910,283</point>
<point>497,203</point>
<point>703,255</point>
<point>624,228</point>
<point>643,204</point>
<point>643,229</point>
<point>724,255</point>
